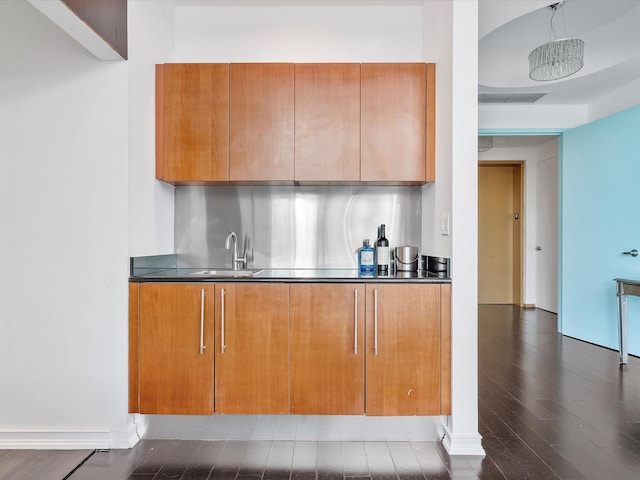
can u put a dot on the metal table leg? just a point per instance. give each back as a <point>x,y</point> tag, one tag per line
<point>622,324</point>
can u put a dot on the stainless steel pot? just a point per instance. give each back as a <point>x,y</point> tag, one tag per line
<point>406,259</point>
<point>438,266</point>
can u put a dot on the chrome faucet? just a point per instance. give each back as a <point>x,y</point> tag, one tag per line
<point>235,259</point>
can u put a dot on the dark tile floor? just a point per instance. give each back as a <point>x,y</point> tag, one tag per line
<point>550,407</point>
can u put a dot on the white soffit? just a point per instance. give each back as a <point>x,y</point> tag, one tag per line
<point>68,21</point>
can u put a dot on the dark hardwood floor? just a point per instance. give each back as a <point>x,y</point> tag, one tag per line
<point>551,407</point>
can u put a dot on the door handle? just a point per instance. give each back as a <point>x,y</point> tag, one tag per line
<point>633,253</point>
<point>222,345</point>
<point>202,345</point>
<point>375,322</point>
<point>355,322</point>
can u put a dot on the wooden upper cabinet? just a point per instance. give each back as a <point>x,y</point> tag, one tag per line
<point>327,349</point>
<point>403,372</point>
<point>327,122</point>
<point>285,123</point>
<point>252,369</point>
<point>176,376</point>
<point>192,122</point>
<point>430,154</point>
<point>394,122</point>
<point>261,120</point>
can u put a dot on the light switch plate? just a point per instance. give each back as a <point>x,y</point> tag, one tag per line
<point>445,223</point>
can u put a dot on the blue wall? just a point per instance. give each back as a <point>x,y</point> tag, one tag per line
<point>600,211</point>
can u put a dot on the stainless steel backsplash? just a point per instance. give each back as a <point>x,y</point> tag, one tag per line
<point>292,226</point>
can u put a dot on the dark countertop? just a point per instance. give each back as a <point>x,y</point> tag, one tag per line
<point>189,275</point>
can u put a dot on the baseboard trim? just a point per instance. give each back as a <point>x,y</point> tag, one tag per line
<point>55,440</point>
<point>116,439</point>
<point>529,305</point>
<point>127,438</point>
<point>470,445</point>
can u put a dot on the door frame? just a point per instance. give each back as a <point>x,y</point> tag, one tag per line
<point>518,226</point>
<point>542,131</point>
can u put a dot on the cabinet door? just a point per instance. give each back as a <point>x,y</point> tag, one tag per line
<point>393,122</point>
<point>327,349</point>
<point>176,375</point>
<point>134,366</point>
<point>192,122</point>
<point>403,349</point>
<point>327,122</point>
<point>252,348</point>
<point>261,122</point>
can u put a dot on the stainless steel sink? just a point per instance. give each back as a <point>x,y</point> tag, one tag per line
<point>225,272</point>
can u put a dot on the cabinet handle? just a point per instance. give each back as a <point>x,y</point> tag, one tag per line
<point>202,345</point>
<point>355,322</point>
<point>222,346</point>
<point>375,322</point>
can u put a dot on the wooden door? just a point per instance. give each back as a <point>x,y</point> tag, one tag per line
<point>261,119</point>
<point>327,122</point>
<point>192,122</point>
<point>252,348</point>
<point>176,377</point>
<point>403,373</point>
<point>327,349</point>
<point>499,233</point>
<point>393,122</point>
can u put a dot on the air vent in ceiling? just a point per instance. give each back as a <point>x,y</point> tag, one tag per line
<point>509,97</point>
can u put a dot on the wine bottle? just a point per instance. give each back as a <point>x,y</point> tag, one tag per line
<point>382,252</point>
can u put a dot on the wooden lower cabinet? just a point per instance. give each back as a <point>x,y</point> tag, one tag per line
<point>403,349</point>
<point>252,348</point>
<point>327,349</point>
<point>175,374</point>
<point>316,349</point>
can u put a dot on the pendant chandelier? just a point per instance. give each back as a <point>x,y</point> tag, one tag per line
<point>557,58</point>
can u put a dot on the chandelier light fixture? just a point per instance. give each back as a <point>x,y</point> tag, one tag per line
<point>557,58</point>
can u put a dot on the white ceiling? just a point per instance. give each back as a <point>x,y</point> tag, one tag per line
<point>609,28</point>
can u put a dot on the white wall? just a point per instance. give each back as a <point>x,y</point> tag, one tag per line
<point>438,48</point>
<point>151,41</point>
<point>299,34</point>
<point>63,292</point>
<point>69,124</point>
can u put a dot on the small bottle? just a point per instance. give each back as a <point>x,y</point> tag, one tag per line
<point>366,263</point>
<point>382,252</point>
